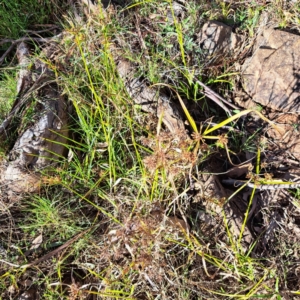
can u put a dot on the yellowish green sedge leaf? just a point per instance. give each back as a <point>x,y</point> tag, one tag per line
<point>232,118</point>
<point>225,122</point>
<point>136,4</point>
<point>256,287</point>
<point>227,75</point>
<point>258,161</point>
<point>179,33</point>
<point>187,114</point>
<point>276,182</point>
<point>246,217</point>
<point>211,137</point>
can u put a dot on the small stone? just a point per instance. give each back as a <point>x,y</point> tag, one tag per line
<point>218,38</point>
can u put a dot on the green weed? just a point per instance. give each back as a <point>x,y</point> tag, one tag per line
<point>8,88</point>
<point>18,16</point>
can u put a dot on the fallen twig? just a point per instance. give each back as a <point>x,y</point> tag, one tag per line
<point>24,39</point>
<point>216,98</point>
<point>15,42</point>
<point>56,251</point>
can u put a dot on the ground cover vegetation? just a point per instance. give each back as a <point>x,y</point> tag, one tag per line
<point>128,212</point>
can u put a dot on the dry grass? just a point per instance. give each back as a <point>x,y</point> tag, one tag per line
<point>127,210</point>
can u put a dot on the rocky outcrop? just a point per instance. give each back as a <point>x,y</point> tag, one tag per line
<point>271,77</point>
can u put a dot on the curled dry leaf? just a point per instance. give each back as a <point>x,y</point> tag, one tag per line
<point>37,242</point>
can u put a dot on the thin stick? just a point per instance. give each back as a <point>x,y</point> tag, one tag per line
<point>56,251</point>
<point>6,53</point>
<point>24,39</point>
<point>15,42</point>
<point>216,98</point>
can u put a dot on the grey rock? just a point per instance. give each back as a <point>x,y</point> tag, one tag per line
<point>218,38</point>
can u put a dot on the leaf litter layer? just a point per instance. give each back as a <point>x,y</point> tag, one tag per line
<point>137,209</point>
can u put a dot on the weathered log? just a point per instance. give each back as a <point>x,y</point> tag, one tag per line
<point>42,134</point>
